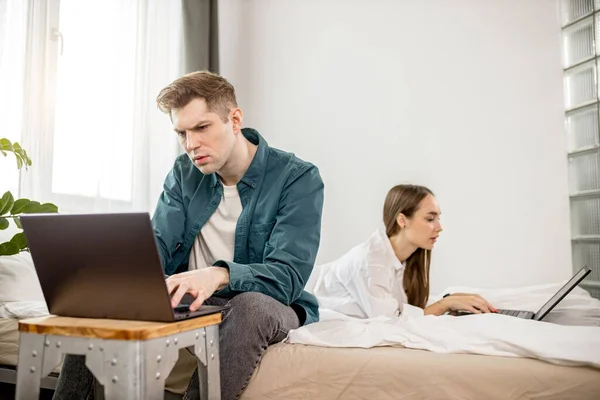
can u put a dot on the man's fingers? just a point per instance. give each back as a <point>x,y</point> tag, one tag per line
<point>201,296</point>
<point>197,283</point>
<point>181,290</point>
<point>172,283</point>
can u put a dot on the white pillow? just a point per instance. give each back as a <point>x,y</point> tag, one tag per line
<point>18,279</point>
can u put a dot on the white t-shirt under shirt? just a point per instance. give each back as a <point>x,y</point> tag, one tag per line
<point>216,239</point>
<point>366,282</point>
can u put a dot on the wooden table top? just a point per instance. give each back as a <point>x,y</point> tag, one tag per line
<point>112,328</point>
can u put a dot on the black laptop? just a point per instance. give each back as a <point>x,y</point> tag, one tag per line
<point>550,304</point>
<point>102,266</point>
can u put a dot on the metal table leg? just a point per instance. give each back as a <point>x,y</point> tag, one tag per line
<point>29,372</point>
<point>209,374</point>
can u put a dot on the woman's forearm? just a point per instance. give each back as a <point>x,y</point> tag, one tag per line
<point>437,308</point>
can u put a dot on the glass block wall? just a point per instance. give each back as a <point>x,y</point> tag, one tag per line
<point>580,21</point>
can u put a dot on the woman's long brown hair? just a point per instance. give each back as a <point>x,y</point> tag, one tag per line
<point>405,199</point>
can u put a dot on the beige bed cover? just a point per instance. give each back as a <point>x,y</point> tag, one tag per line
<point>317,373</point>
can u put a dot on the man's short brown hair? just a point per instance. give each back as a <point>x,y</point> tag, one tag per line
<point>218,93</point>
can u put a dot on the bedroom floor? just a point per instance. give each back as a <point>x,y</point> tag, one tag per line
<point>7,392</point>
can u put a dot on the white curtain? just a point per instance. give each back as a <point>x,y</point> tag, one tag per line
<point>38,97</point>
<point>12,49</point>
<point>91,126</point>
<point>160,61</point>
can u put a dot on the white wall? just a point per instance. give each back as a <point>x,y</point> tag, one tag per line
<point>463,96</point>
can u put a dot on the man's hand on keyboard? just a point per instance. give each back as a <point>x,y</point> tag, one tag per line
<point>200,283</point>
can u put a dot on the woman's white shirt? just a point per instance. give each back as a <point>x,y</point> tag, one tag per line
<point>366,282</point>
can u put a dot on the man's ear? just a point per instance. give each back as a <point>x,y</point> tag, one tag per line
<point>236,120</point>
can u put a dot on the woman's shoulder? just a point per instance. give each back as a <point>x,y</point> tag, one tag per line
<point>357,261</point>
<point>378,244</point>
<point>373,250</point>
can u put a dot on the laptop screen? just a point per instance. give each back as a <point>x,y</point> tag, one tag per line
<point>550,304</point>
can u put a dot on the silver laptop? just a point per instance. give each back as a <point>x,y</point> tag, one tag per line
<point>550,304</point>
<point>102,266</point>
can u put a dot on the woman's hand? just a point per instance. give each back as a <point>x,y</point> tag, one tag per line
<point>468,302</point>
<point>461,302</point>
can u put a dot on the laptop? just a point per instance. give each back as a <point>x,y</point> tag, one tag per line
<point>550,304</point>
<point>102,266</point>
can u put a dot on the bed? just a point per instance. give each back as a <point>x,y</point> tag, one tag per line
<point>295,371</point>
<point>9,349</point>
<point>9,337</point>
<point>292,371</point>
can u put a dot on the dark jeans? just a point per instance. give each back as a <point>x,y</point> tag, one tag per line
<point>252,322</point>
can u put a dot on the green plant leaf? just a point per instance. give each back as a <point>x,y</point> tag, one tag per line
<point>31,208</point>
<point>6,145</point>
<point>19,240</point>
<point>21,151</point>
<point>6,202</point>
<point>18,149</point>
<point>8,249</point>
<point>18,206</point>
<point>48,208</point>
<point>8,205</point>
<point>20,154</point>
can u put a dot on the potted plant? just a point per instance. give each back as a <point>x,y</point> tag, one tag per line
<point>11,209</point>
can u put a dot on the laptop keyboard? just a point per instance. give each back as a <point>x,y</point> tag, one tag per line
<point>517,313</point>
<point>509,312</point>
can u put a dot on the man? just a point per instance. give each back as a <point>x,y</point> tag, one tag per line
<point>238,223</point>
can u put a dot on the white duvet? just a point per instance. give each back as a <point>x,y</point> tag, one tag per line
<point>569,335</point>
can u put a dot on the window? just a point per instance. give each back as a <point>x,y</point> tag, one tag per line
<point>581,55</point>
<point>95,99</point>
<point>81,99</point>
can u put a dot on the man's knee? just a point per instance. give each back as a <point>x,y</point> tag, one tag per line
<point>254,305</point>
<point>254,301</point>
<point>255,309</point>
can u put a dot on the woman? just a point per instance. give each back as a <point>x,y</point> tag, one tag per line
<point>391,270</point>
